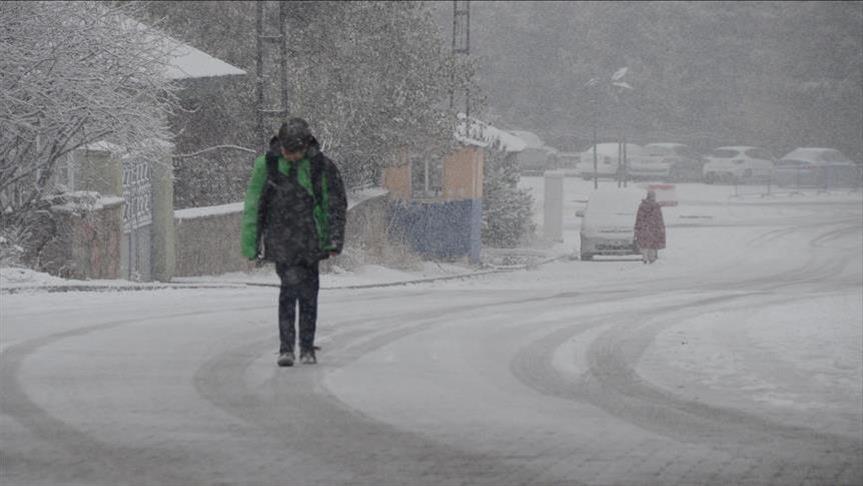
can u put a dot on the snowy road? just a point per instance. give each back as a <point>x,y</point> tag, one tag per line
<point>736,359</point>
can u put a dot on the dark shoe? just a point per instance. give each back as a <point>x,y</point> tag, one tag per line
<point>307,356</point>
<point>286,359</point>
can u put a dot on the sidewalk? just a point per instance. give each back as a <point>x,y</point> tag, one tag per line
<point>20,280</point>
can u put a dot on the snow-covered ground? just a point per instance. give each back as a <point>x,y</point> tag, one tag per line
<point>736,359</point>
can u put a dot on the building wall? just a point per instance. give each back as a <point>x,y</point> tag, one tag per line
<point>463,174</point>
<point>448,227</point>
<point>398,181</point>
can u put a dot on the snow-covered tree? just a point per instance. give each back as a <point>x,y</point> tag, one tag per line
<point>72,73</point>
<point>370,77</point>
<point>506,216</point>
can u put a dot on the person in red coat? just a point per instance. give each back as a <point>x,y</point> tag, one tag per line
<point>649,228</point>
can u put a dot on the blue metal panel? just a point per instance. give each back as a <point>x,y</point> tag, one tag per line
<point>439,229</point>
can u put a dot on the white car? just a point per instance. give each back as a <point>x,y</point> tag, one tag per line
<point>667,162</point>
<point>816,167</point>
<point>736,164</point>
<point>607,158</point>
<point>608,226</point>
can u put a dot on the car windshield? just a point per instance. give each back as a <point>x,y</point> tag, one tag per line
<point>724,153</point>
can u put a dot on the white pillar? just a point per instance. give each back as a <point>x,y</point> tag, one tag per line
<point>553,206</point>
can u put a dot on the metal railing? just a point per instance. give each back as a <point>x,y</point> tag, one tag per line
<point>801,180</point>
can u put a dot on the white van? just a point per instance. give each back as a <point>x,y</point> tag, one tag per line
<point>608,227</point>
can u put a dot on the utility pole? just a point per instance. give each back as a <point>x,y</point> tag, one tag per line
<point>595,158</point>
<point>266,41</point>
<point>593,85</point>
<point>460,49</point>
<point>460,46</point>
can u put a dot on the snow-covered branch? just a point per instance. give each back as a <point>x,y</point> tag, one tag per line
<point>73,73</point>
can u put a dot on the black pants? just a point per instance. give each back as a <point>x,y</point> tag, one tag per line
<point>300,284</point>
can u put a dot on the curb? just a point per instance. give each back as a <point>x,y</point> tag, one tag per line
<point>118,288</point>
<point>229,285</point>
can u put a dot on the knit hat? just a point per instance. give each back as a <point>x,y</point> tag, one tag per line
<point>295,135</point>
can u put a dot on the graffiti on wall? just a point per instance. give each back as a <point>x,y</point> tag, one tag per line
<point>137,194</point>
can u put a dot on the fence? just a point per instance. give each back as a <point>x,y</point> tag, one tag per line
<point>797,180</point>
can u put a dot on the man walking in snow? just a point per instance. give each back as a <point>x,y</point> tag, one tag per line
<point>294,216</point>
<point>649,228</point>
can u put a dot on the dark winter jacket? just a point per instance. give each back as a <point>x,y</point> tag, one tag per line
<point>649,226</point>
<point>295,209</point>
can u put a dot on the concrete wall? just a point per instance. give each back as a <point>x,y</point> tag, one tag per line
<point>85,239</point>
<point>208,241</point>
<point>163,234</point>
<point>147,250</point>
<point>96,168</point>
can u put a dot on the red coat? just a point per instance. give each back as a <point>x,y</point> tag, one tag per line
<point>649,226</point>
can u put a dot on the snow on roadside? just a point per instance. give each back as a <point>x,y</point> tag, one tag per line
<point>24,276</point>
<point>14,278</point>
<point>802,357</point>
<point>19,279</point>
<point>364,275</point>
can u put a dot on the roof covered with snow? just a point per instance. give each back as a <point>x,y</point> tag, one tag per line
<point>611,149</point>
<point>185,62</point>
<point>533,141</point>
<point>102,146</point>
<point>481,134</point>
<point>816,154</point>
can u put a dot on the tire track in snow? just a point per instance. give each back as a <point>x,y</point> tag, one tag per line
<point>86,456</point>
<point>354,448</point>
<point>613,384</point>
<point>780,449</point>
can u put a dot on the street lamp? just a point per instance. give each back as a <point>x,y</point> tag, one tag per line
<point>623,164</point>
<point>595,84</point>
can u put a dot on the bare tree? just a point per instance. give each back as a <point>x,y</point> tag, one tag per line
<point>72,73</point>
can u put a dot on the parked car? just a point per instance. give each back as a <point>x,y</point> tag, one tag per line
<point>608,226</point>
<point>608,159</point>
<point>568,162</point>
<point>667,162</point>
<point>815,167</point>
<point>536,157</point>
<point>737,164</point>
